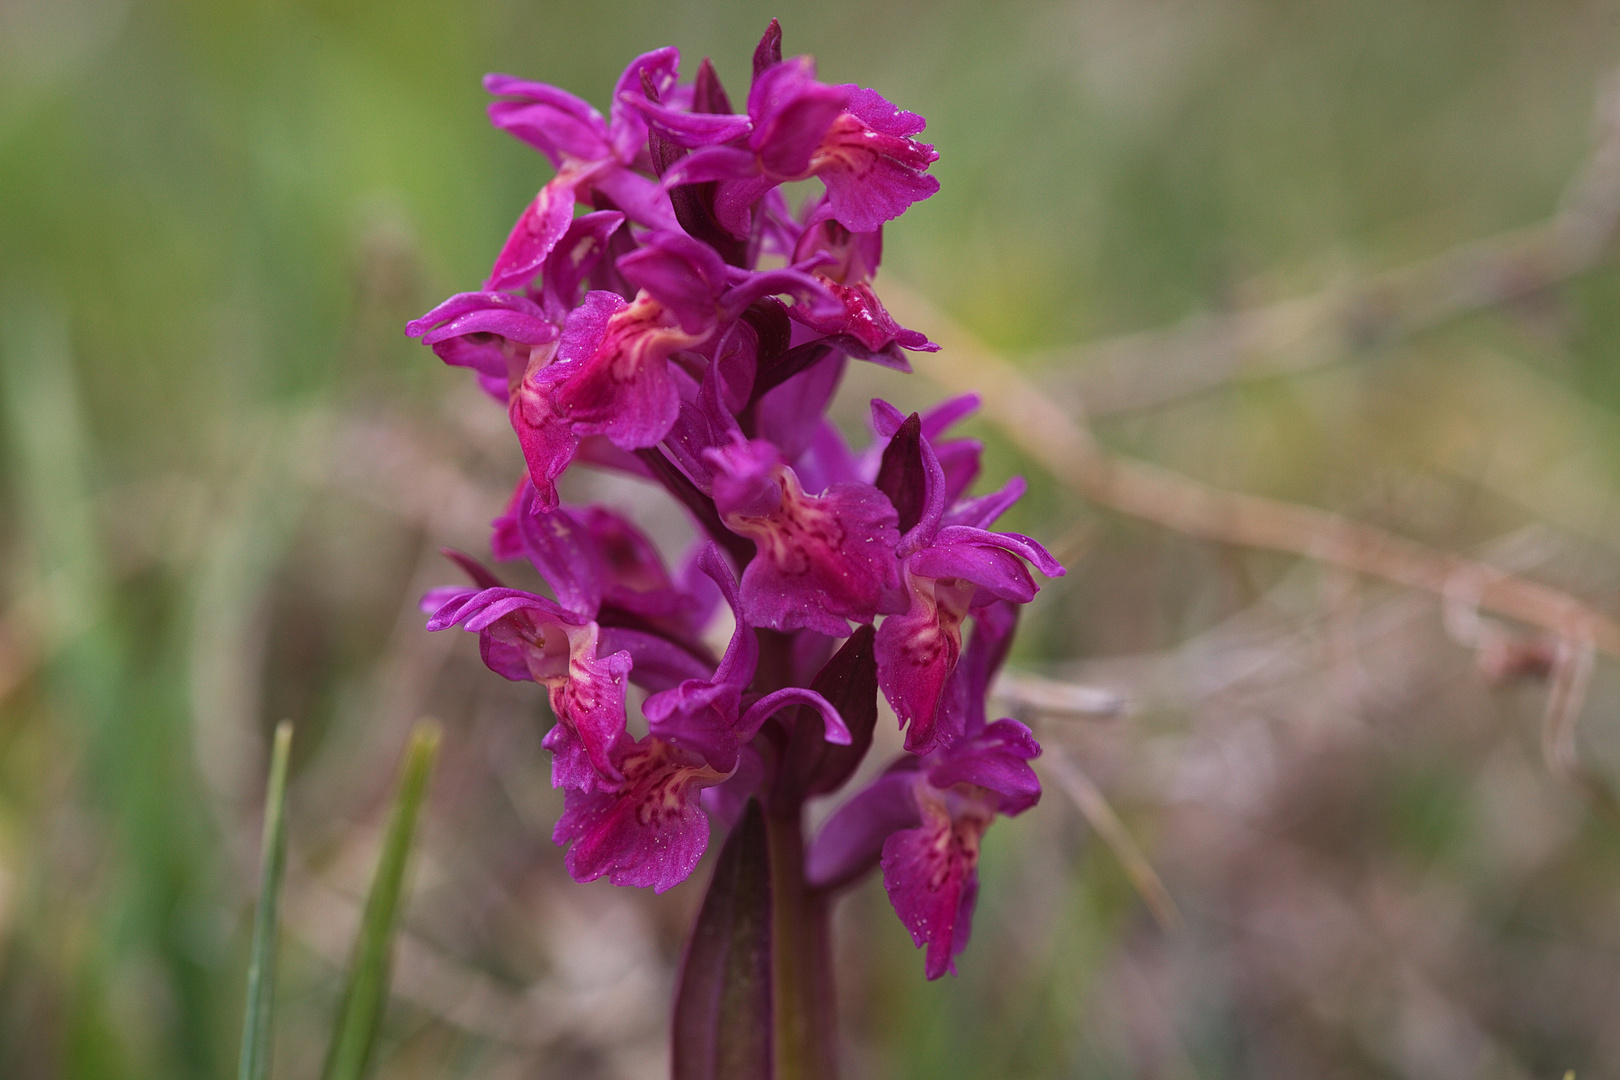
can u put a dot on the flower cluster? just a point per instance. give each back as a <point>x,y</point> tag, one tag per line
<point>660,309</point>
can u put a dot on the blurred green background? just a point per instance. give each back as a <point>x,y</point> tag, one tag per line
<point>226,474</point>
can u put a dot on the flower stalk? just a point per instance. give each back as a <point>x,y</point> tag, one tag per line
<point>806,1021</point>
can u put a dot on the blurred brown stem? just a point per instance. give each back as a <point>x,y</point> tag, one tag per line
<point>1155,367</point>
<point>806,1037</point>
<point>1065,447</point>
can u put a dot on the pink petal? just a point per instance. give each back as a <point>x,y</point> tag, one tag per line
<point>650,831</point>
<point>821,558</point>
<point>930,875</point>
<point>916,653</point>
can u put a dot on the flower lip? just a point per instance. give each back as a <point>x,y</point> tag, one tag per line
<point>821,559</point>
<point>646,831</point>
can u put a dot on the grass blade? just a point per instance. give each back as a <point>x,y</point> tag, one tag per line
<point>261,988</point>
<point>366,996</point>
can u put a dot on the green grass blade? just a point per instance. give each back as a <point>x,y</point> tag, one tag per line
<point>261,989</point>
<point>366,996</point>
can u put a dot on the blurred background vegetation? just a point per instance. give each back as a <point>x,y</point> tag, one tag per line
<point>226,474</point>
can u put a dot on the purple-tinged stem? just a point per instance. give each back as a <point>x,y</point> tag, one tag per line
<point>806,1031</point>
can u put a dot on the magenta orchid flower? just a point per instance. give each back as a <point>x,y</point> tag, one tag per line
<point>648,830</point>
<point>592,157</point>
<point>924,818</point>
<point>952,565</point>
<point>856,142</point>
<point>931,871</point>
<point>820,559</point>
<point>850,259</point>
<point>660,309</point>
<point>609,375</point>
<point>522,636</point>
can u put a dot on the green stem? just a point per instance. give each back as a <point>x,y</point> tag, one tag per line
<point>806,1035</point>
<point>257,1025</point>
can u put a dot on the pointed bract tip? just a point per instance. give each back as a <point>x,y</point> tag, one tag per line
<point>708,95</point>
<point>901,475</point>
<point>769,50</point>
